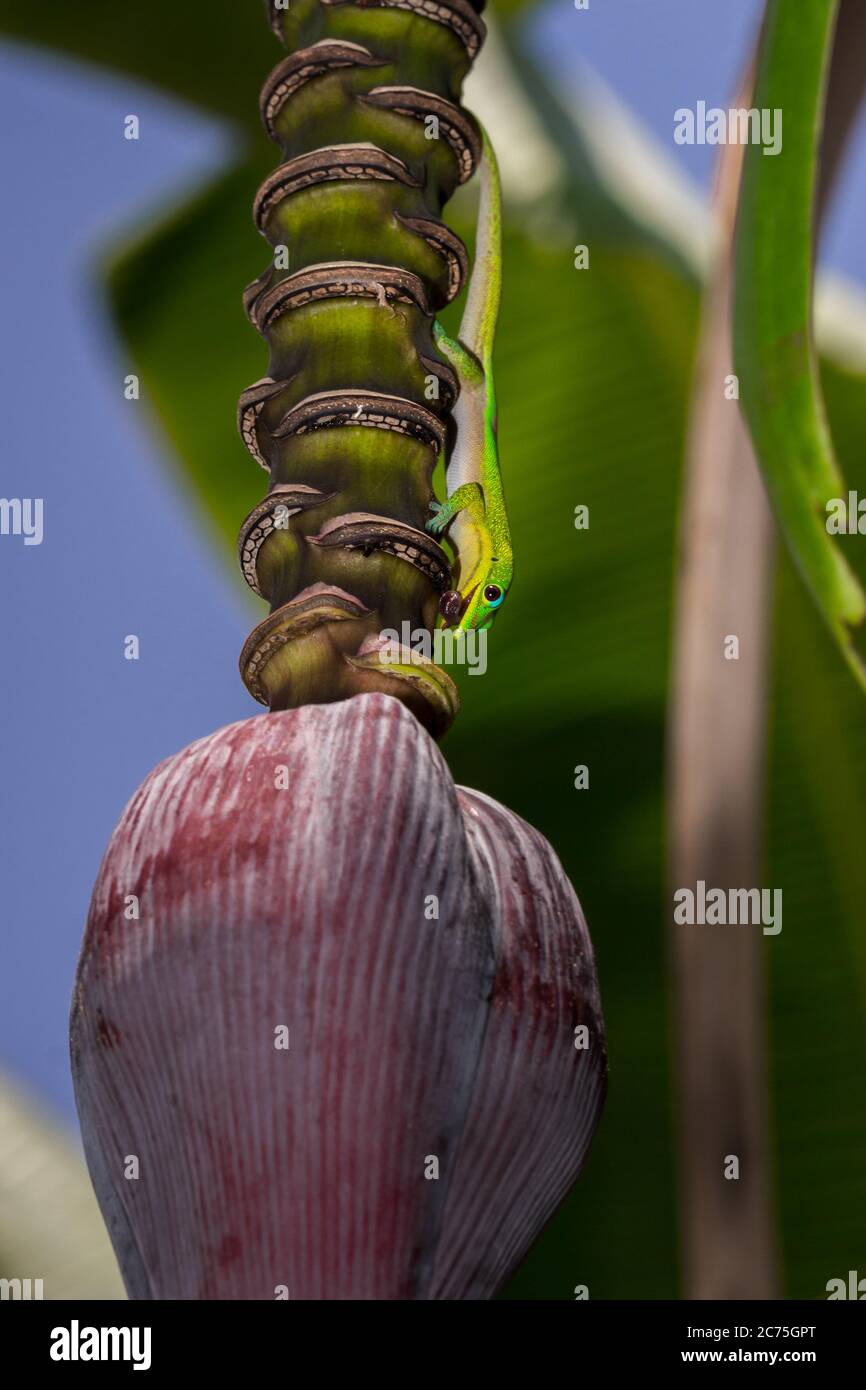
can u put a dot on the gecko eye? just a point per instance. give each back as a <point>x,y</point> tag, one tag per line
<point>493,595</point>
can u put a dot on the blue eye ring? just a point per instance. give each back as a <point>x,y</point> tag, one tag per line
<point>493,595</point>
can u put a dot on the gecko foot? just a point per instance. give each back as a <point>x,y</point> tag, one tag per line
<point>437,523</point>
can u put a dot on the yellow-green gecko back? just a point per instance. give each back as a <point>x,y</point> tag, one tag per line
<point>475,507</point>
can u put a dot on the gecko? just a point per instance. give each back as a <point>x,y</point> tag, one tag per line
<point>475,506</point>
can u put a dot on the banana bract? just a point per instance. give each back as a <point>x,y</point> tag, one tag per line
<point>336,1031</point>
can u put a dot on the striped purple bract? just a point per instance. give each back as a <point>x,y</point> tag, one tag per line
<point>345,974</point>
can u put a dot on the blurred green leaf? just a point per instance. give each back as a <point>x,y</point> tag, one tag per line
<point>774,356</point>
<point>817,966</point>
<point>176,293</point>
<point>217,56</point>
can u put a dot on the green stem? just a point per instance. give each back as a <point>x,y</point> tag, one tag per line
<point>356,403</point>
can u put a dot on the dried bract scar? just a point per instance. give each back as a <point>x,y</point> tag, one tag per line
<point>362,160</point>
<point>303,66</point>
<point>366,532</point>
<point>367,409</point>
<point>457,127</point>
<point>284,501</point>
<point>456,15</point>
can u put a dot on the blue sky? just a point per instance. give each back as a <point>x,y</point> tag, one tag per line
<point>659,55</point>
<point>80,726</point>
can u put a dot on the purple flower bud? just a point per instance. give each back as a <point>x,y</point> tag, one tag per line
<point>336,1030</point>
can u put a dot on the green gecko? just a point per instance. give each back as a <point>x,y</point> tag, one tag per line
<point>475,509</point>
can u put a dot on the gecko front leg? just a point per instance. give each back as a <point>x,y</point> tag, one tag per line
<point>468,498</point>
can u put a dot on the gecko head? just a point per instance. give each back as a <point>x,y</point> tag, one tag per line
<point>478,607</point>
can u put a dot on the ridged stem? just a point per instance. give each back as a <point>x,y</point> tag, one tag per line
<point>355,406</point>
